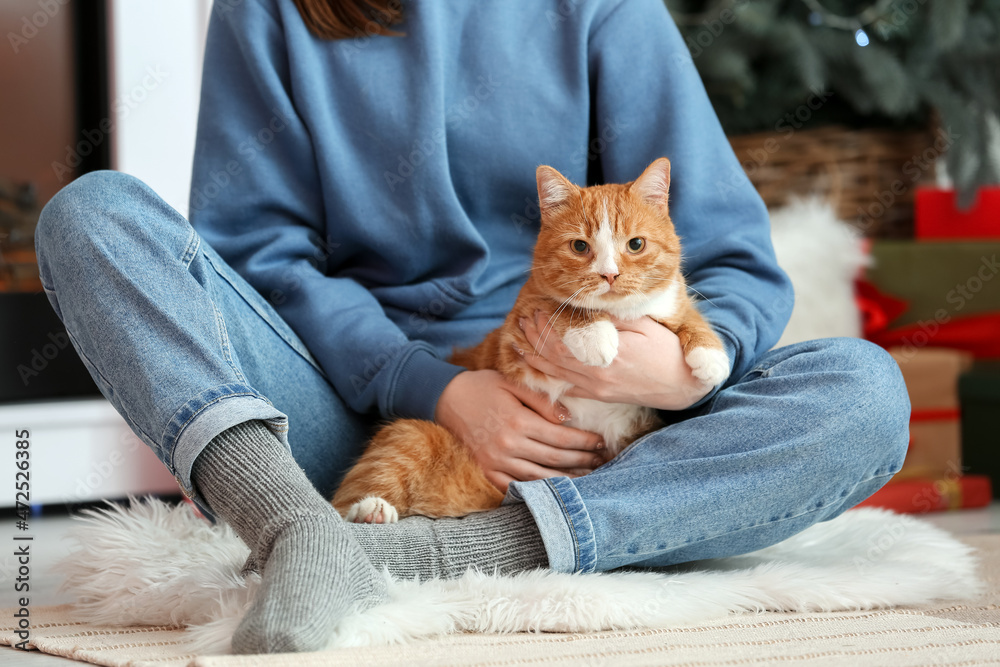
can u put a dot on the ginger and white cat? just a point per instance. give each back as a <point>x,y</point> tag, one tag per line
<point>602,250</point>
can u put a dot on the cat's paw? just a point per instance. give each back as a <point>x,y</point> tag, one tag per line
<point>595,344</point>
<point>709,365</point>
<point>372,510</point>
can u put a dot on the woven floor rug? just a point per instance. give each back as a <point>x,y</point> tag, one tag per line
<point>963,632</point>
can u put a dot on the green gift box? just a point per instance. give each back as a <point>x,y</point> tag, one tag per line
<point>979,394</point>
<point>939,280</point>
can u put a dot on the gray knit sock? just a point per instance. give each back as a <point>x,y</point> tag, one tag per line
<point>314,571</point>
<point>504,540</point>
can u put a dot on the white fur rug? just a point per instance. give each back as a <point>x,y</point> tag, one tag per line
<point>155,564</point>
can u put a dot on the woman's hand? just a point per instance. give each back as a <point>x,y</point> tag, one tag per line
<point>649,370</point>
<point>514,433</point>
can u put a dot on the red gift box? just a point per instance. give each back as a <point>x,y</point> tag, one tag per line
<point>938,218</point>
<point>918,496</point>
<point>931,377</point>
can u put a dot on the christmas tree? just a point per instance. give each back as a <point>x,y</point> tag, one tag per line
<point>877,62</point>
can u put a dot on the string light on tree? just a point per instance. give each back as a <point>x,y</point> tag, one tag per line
<point>883,62</point>
<point>820,15</point>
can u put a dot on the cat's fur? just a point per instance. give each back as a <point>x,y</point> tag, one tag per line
<point>417,467</point>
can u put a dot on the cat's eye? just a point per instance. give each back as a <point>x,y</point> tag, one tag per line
<point>579,246</point>
<point>636,245</point>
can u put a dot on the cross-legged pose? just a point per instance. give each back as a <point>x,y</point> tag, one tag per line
<point>362,203</point>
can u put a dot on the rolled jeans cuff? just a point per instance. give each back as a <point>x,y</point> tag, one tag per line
<point>207,415</point>
<point>562,520</point>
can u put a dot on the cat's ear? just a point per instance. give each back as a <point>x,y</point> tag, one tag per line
<point>654,184</point>
<point>554,190</point>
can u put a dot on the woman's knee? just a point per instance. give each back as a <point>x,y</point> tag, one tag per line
<point>100,213</point>
<point>75,213</point>
<point>874,403</point>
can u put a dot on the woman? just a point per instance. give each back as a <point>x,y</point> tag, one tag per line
<point>363,202</point>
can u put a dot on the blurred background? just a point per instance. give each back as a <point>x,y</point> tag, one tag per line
<point>86,85</point>
<point>869,127</point>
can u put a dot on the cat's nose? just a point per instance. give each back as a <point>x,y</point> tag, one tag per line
<point>610,277</point>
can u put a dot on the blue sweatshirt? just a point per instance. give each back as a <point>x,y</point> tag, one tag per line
<point>380,191</point>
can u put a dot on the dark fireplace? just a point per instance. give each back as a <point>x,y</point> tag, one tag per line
<point>54,73</point>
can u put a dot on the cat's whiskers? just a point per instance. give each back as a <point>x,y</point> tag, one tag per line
<point>705,298</point>
<point>671,280</point>
<point>547,329</point>
<point>567,282</point>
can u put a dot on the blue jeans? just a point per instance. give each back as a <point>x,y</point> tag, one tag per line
<point>184,348</point>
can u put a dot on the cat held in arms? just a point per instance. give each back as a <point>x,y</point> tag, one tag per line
<point>604,250</point>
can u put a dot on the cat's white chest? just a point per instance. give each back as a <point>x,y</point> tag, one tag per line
<point>618,423</point>
<point>661,306</point>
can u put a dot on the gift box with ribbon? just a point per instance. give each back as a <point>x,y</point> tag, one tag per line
<point>917,496</point>
<point>932,478</point>
<point>931,376</point>
<point>919,295</point>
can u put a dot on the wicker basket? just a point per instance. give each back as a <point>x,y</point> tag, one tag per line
<point>869,175</point>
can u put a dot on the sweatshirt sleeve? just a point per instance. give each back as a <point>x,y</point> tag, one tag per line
<point>650,103</point>
<point>257,200</point>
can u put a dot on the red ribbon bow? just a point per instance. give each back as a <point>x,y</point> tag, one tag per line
<point>978,334</point>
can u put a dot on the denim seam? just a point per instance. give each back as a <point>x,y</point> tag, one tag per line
<point>194,242</point>
<point>569,520</point>
<point>805,513</point>
<point>227,349</point>
<point>216,400</point>
<point>173,466</point>
<point>50,294</point>
<point>302,352</point>
<point>758,525</point>
<point>582,533</point>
